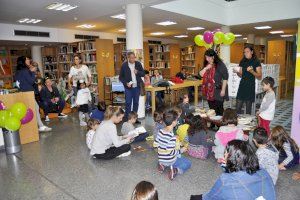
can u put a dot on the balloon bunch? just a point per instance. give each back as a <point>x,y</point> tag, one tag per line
<point>11,119</point>
<point>215,37</point>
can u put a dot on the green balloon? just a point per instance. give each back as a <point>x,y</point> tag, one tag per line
<point>218,37</point>
<point>229,38</point>
<point>19,110</point>
<point>12,124</point>
<point>199,40</point>
<point>208,46</point>
<point>4,115</point>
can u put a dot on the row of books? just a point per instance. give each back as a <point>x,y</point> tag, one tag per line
<point>88,57</point>
<point>86,46</point>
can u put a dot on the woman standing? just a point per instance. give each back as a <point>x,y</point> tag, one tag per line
<point>215,77</point>
<point>249,70</point>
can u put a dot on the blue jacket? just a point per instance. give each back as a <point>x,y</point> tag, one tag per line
<point>46,95</point>
<point>125,73</point>
<point>25,80</point>
<point>242,186</point>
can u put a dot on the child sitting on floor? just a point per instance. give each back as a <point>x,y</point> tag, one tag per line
<point>92,126</point>
<point>266,153</point>
<point>229,131</point>
<point>144,190</point>
<point>129,126</point>
<point>198,147</point>
<point>82,102</point>
<point>287,147</point>
<point>159,123</point>
<point>98,113</point>
<point>185,106</point>
<point>183,129</point>
<point>168,155</point>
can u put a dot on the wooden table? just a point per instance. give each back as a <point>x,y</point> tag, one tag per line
<point>28,132</point>
<point>185,84</point>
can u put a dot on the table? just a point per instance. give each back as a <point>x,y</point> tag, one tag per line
<point>185,84</point>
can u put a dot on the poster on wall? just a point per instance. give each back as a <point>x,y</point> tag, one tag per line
<point>296,105</point>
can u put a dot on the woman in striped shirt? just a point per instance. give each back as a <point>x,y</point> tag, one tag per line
<point>168,154</point>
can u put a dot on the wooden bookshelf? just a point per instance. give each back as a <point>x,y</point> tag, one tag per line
<point>119,56</point>
<point>146,55</point>
<point>65,58</point>
<point>49,63</point>
<point>192,58</point>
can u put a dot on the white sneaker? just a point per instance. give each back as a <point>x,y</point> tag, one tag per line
<point>124,154</point>
<point>45,129</point>
<point>47,119</point>
<point>83,123</point>
<point>62,115</point>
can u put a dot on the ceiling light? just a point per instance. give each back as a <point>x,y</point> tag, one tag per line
<point>166,23</point>
<point>120,16</point>
<point>245,38</point>
<point>181,36</point>
<point>29,21</point>
<point>123,30</point>
<point>61,6</point>
<point>157,33</point>
<point>276,32</point>
<point>196,28</point>
<point>286,35</point>
<point>237,35</point>
<point>86,26</point>
<point>262,27</point>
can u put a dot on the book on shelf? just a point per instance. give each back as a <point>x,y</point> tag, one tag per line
<point>86,46</point>
<point>88,57</point>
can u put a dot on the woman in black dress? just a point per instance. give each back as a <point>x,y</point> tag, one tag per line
<point>215,77</point>
<point>250,69</point>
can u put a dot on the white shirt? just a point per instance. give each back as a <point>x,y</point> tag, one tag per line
<point>82,73</point>
<point>105,137</point>
<point>133,77</point>
<point>83,96</point>
<point>89,138</point>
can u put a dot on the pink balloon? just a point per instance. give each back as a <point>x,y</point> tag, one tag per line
<point>2,106</point>
<point>28,117</point>
<point>208,37</point>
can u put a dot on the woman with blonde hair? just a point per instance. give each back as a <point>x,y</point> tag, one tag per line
<point>107,144</point>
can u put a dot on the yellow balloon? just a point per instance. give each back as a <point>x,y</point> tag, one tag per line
<point>218,37</point>
<point>199,40</point>
<point>229,38</point>
<point>208,46</point>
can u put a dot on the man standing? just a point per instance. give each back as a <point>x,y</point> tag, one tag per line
<point>130,76</point>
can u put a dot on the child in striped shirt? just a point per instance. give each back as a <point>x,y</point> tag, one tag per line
<point>168,155</point>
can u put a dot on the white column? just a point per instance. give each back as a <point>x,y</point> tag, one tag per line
<point>134,40</point>
<point>36,54</point>
<point>225,49</point>
<point>251,39</point>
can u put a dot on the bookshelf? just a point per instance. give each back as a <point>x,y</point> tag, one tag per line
<point>49,62</point>
<point>192,58</point>
<point>6,75</point>
<point>65,58</point>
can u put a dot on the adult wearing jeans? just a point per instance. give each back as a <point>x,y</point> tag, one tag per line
<point>25,81</point>
<point>131,76</point>
<point>249,69</point>
<point>51,100</point>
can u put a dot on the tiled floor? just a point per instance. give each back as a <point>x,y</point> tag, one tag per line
<point>59,167</point>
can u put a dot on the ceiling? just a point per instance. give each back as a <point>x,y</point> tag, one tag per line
<point>98,12</point>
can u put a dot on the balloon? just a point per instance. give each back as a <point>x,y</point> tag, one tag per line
<point>208,37</point>
<point>229,38</point>
<point>208,46</point>
<point>18,110</point>
<point>28,117</point>
<point>218,37</point>
<point>2,106</point>
<point>4,115</point>
<point>217,30</point>
<point>12,124</point>
<point>199,40</point>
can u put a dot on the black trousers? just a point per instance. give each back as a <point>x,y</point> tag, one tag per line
<point>196,197</point>
<point>239,106</point>
<point>217,106</point>
<point>113,152</point>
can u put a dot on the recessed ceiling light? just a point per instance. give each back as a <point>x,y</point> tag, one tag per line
<point>181,36</point>
<point>237,35</point>
<point>29,21</point>
<point>276,32</point>
<point>166,23</point>
<point>120,16</point>
<point>262,27</point>
<point>157,33</point>
<point>286,35</point>
<point>61,6</point>
<point>196,28</point>
<point>86,26</point>
<point>245,38</point>
<point>123,30</point>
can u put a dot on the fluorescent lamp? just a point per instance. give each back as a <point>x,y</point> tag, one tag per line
<point>29,21</point>
<point>276,32</point>
<point>237,35</point>
<point>123,30</point>
<point>119,16</point>
<point>61,6</point>
<point>196,28</point>
<point>181,36</point>
<point>157,33</point>
<point>262,27</point>
<point>166,23</point>
<point>86,26</point>
<point>286,35</point>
